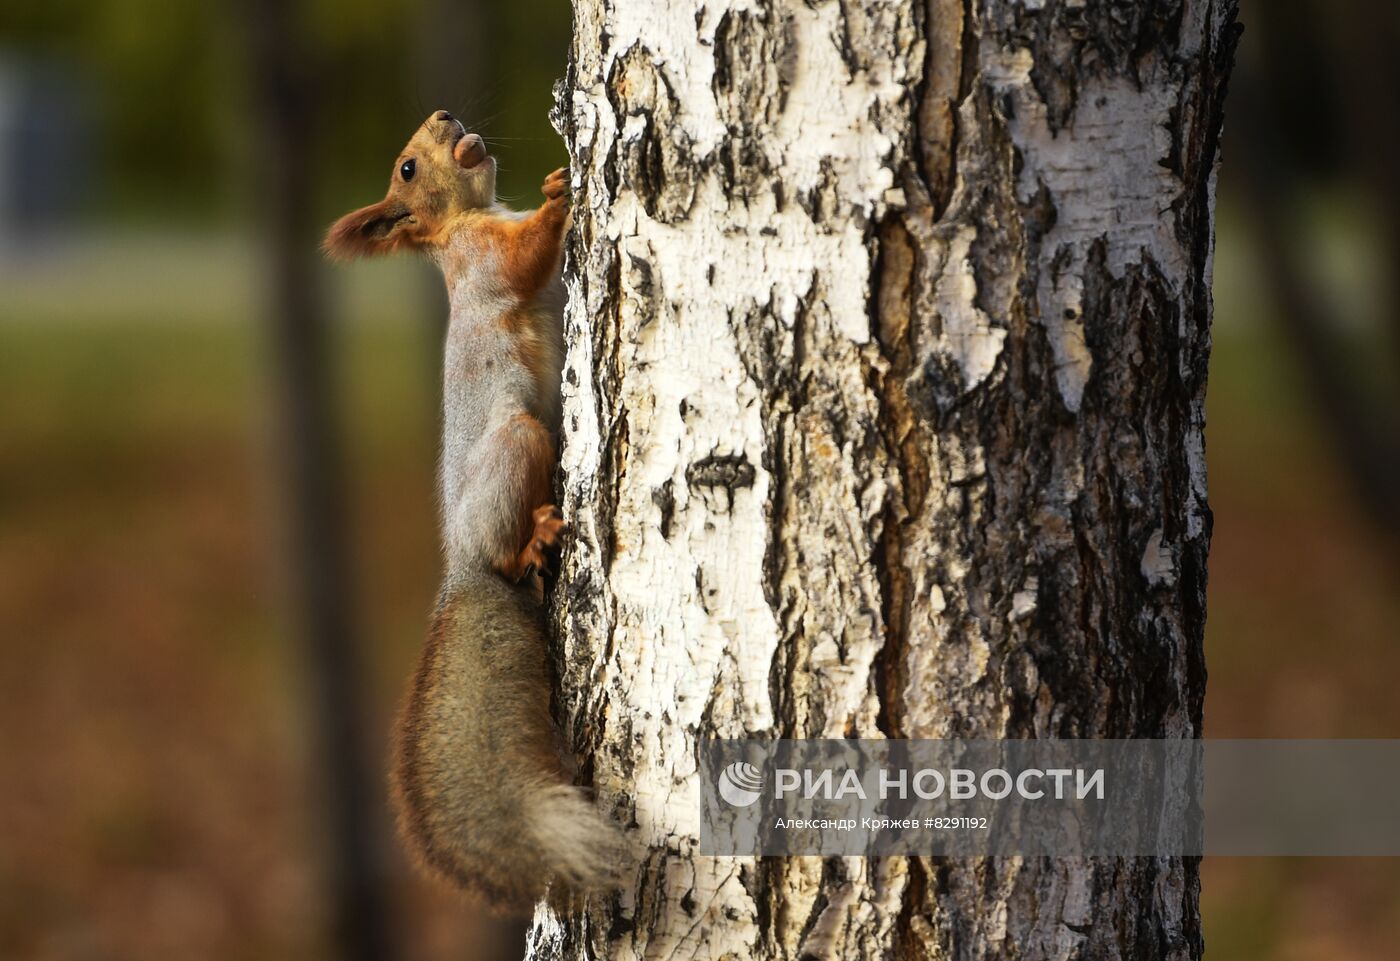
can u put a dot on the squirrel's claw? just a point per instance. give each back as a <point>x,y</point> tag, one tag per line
<point>541,553</point>
<point>556,185</point>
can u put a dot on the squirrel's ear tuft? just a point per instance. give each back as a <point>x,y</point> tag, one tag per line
<point>380,228</point>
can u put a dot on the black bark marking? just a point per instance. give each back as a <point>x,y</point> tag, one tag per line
<point>664,497</point>
<point>755,59</point>
<point>1098,40</point>
<point>727,472</point>
<point>658,164</point>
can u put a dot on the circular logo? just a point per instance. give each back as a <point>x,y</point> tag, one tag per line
<point>740,784</point>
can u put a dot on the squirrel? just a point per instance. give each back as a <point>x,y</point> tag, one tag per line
<point>477,776</point>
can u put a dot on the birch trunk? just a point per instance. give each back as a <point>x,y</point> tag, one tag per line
<point>888,334</point>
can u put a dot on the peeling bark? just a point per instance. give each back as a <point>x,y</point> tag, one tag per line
<point>888,336</point>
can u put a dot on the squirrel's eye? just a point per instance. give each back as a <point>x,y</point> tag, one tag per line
<point>408,169</point>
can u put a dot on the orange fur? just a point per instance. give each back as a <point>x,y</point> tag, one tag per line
<point>528,346</point>
<point>428,191</point>
<point>382,228</point>
<point>527,450</point>
<point>530,247</point>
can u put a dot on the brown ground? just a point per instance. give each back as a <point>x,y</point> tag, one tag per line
<point>157,801</point>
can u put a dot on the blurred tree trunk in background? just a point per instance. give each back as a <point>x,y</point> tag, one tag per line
<point>456,72</point>
<point>285,124</point>
<point>884,404</point>
<point>1358,413</point>
<point>456,58</point>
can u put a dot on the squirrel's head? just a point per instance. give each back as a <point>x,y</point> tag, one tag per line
<point>443,173</point>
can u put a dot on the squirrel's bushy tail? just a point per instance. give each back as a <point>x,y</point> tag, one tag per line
<point>477,775</point>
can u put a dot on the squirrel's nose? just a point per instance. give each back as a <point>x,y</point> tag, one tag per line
<point>443,116</point>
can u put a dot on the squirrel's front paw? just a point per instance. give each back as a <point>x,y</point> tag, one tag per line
<point>556,187</point>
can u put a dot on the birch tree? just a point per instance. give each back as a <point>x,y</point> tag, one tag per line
<point>888,334</point>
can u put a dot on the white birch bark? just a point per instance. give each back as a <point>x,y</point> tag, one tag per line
<point>888,334</point>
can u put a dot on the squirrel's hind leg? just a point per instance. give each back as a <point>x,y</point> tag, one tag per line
<point>503,516</point>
